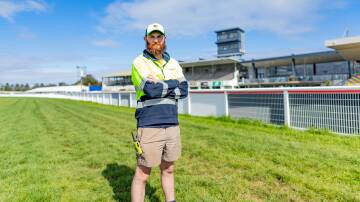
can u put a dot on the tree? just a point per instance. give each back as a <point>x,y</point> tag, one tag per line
<point>88,80</point>
<point>62,84</point>
<point>7,87</point>
<point>50,85</point>
<point>27,87</point>
<point>36,85</point>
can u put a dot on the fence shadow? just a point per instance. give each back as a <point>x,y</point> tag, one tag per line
<point>120,178</point>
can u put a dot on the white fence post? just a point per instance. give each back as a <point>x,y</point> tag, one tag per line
<point>189,103</point>
<point>286,108</point>
<point>130,100</point>
<point>226,103</point>
<point>119,103</point>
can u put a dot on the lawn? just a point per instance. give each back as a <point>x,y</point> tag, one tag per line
<point>63,150</point>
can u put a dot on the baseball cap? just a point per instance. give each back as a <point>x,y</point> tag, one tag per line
<point>154,27</point>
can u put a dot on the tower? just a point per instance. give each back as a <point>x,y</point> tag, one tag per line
<point>230,42</point>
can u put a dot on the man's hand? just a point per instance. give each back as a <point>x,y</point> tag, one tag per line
<point>153,79</point>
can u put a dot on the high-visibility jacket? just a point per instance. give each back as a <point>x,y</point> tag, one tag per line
<point>157,102</point>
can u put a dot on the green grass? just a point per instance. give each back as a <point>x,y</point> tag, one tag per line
<point>63,150</point>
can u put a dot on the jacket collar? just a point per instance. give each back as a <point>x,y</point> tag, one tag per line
<point>150,56</point>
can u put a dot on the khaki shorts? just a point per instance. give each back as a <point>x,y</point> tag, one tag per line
<point>159,144</point>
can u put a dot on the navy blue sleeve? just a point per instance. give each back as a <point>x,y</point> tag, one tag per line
<point>184,88</point>
<point>159,89</point>
<point>181,91</point>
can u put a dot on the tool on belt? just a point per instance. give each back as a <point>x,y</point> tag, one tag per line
<point>136,143</point>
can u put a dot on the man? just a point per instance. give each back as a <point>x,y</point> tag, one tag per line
<point>159,83</point>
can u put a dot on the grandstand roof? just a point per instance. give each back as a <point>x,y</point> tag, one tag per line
<point>308,58</point>
<point>213,61</point>
<point>348,47</point>
<point>229,29</point>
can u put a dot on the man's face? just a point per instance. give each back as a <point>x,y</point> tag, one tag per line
<point>155,43</point>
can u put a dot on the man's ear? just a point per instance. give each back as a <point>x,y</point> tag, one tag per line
<point>145,38</point>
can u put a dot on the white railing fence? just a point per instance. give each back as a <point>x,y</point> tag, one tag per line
<point>336,108</point>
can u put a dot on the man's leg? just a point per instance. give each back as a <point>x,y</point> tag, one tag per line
<point>167,180</point>
<point>141,175</point>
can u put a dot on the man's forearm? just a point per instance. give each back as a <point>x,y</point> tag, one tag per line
<point>181,91</point>
<point>173,88</point>
<point>159,89</point>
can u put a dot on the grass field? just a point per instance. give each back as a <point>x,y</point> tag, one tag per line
<point>63,150</point>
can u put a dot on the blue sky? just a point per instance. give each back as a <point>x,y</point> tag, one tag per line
<point>44,40</point>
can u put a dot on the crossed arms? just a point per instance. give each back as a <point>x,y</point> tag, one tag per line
<point>172,88</point>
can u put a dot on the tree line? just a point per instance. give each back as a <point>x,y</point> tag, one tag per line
<point>25,87</point>
<point>86,81</point>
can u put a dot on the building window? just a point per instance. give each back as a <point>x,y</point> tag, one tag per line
<point>222,36</point>
<point>232,35</point>
<point>261,75</point>
<point>234,46</point>
<point>332,68</point>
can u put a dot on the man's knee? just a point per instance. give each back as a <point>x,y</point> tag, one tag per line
<point>142,173</point>
<point>167,167</point>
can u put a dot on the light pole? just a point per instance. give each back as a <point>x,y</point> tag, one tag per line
<point>81,70</point>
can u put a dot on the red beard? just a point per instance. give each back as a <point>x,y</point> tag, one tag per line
<point>156,49</point>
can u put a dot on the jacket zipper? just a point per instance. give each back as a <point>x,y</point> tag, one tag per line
<point>161,68</point>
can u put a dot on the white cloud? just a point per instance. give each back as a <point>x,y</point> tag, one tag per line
<point>107,43</point>
<point>9,8</point>
<point>189,17</point>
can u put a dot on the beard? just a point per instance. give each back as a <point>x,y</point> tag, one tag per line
<point>157,48</point>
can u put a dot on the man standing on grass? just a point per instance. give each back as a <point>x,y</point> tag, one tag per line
<point>159,83</point>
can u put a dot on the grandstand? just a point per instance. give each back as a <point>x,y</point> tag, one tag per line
<point>312,69</point>
<point>340,66</point>
<point>117,81</point>
<point>213,73</point>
